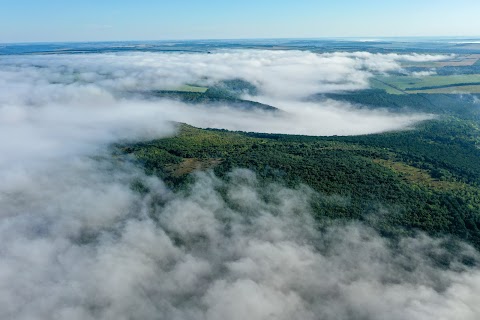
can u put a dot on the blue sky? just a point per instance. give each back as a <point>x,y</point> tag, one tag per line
<point>96,20</point>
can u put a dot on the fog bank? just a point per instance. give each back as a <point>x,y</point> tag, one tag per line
<point>77,241</point>
<point>103,83</point>
<point>88,247</point>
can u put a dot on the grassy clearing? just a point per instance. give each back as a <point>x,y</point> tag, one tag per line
<point>419,176</point>
<point>422,178</point>
<point>189,165</point>
<point>190,88</point>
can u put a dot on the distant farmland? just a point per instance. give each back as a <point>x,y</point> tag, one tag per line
<point>457,61</point>
<point>451,89</point>
<point>469,83</point>
<point>461,61</point>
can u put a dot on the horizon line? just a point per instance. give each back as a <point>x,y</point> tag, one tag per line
<point>367,39</point>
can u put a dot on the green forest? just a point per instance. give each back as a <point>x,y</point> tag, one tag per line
<point>425,179</point>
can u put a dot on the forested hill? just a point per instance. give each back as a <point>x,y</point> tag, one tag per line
<point>464,106</point>
<point>424,179</point>
<point>223,93</point>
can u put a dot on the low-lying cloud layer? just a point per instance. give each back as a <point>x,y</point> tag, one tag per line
<point>88,247</point>
<point>277,73</point>
<point>77,242</point>
<point>81,83</point>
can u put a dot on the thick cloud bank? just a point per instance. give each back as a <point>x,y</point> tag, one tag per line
<point>82,82</point>
<point>85,237</point>
<point>88,247</point>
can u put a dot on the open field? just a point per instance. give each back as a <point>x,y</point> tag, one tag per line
<point>452,89</point>
<point>457,61</point>
<point>468,83</point>
<point>460,61</point>
<point>376,83</point>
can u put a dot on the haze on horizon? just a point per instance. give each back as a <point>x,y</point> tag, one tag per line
<point>55,21</point>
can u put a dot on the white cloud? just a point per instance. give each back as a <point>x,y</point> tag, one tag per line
<point>98,251</point>
<point>76,242</point>
<point>81,94</point>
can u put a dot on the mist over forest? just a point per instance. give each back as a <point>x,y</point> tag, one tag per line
<point>88,234</point>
